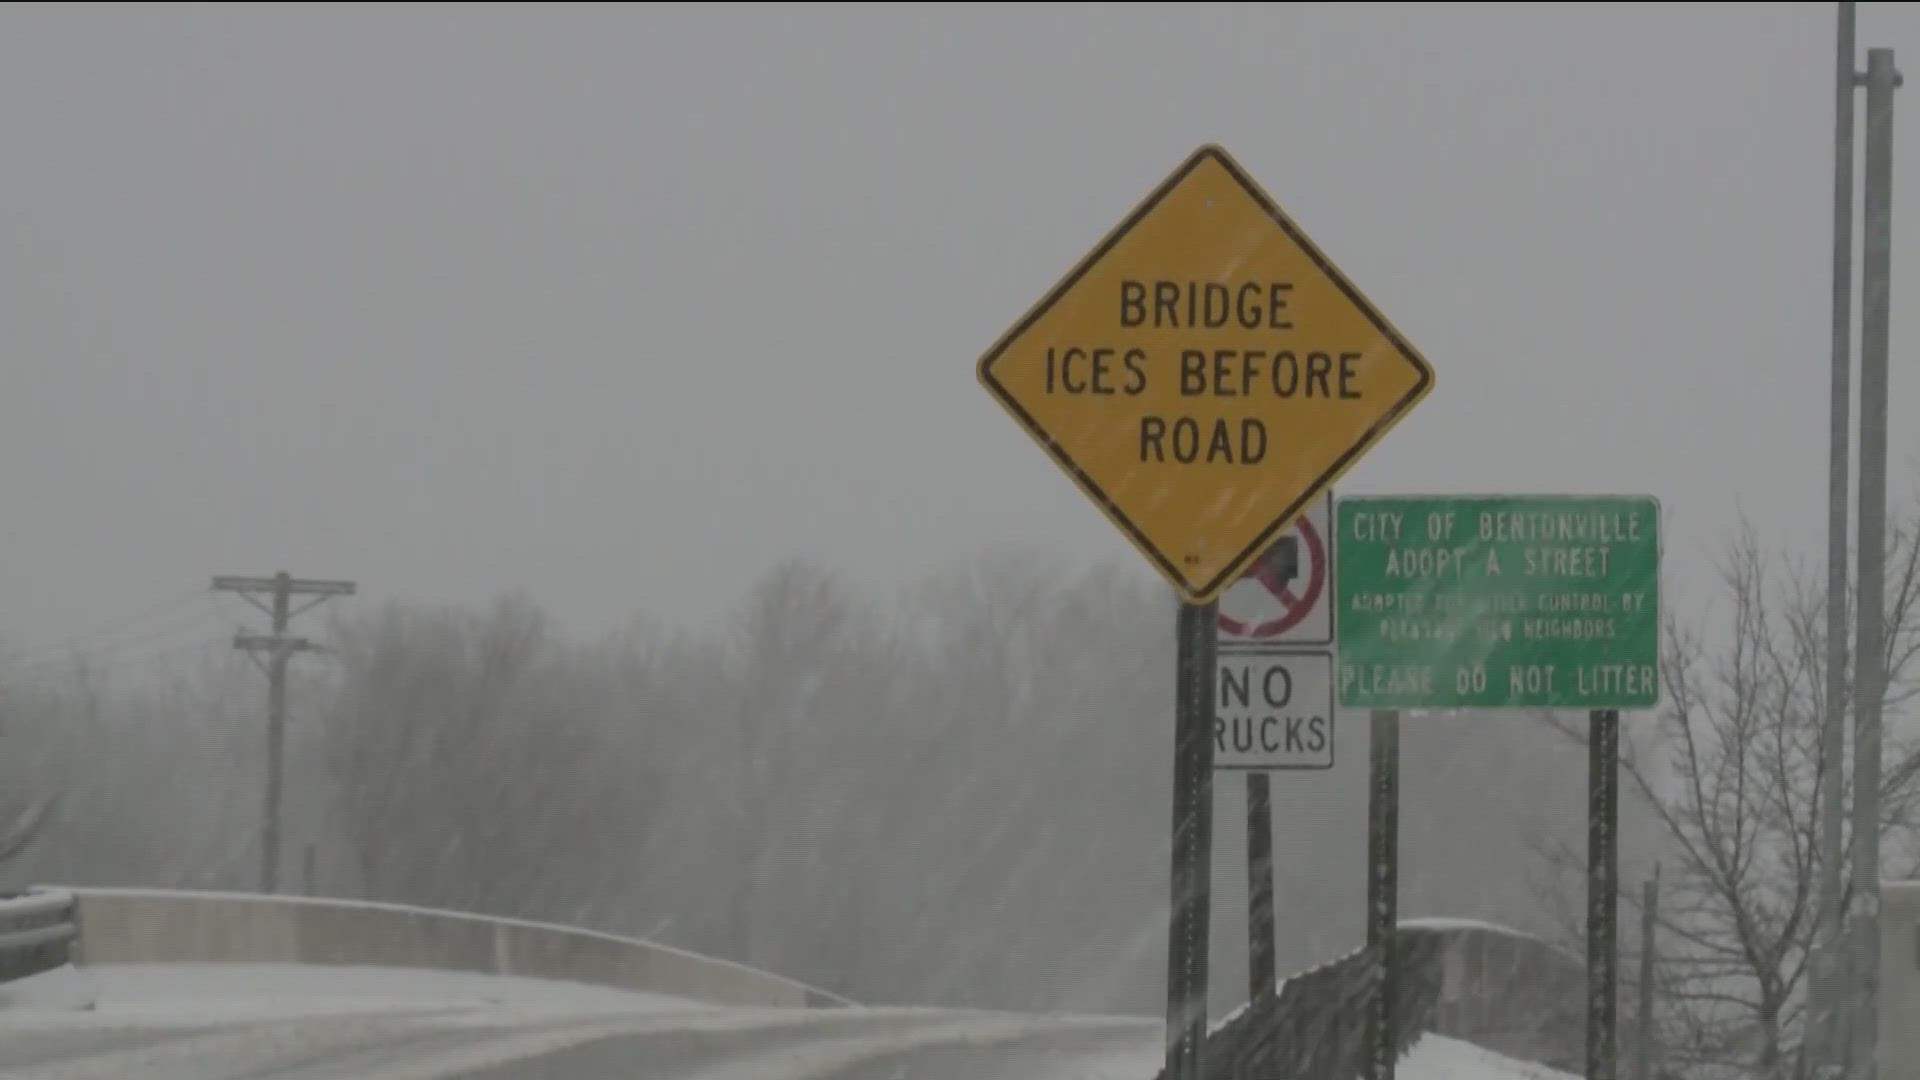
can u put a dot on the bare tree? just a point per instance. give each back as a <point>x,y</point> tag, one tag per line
<point>478,763</point>
<point>112,778</point>
<point>1733,773</point>
<point>795,650</point>
<point>27,822</point>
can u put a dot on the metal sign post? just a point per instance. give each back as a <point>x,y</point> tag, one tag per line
<point>1262,951</point>
<point>1192,845</point>
<point>1383,887</point>
<point>1603,893</point>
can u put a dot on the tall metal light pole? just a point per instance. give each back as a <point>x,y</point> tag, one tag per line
<point>1870,629</point>
<point>1828,1039</point>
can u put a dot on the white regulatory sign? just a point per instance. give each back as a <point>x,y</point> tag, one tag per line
<point>1285,599</point>
<point>1274,711</point>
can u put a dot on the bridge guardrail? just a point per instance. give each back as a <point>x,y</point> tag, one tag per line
<point>135,926</point>
<point>38,931</point>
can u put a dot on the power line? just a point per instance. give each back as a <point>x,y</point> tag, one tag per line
<point>90,640</point>
<point>54,657</point>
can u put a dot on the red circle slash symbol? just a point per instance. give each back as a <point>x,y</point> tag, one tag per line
<point>1294,607</point>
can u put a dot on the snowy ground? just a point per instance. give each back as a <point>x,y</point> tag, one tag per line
<point>1437,1058</point>
<point>248,1022</point>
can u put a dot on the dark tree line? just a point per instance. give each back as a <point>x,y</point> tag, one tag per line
<point>959,795</point>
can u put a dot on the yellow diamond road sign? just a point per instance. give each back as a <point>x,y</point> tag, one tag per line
<point>1205,373</point>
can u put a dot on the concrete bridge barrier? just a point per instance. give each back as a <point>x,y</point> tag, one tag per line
<point>136,926</point>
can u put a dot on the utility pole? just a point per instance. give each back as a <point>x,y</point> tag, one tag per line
<point>274,596</point>
<point>1870,628</point>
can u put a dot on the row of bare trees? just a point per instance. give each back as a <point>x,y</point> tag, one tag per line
<point>957,795</point>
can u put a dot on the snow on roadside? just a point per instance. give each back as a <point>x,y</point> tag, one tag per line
<point>64,989</point>
<point>1434,1057</point>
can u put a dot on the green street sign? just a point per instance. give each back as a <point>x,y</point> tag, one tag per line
<point>1498,602</point>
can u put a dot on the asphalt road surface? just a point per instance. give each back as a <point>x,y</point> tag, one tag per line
<point>679,1044</point>
<point>266,1022</point>
<point>271,1022</point>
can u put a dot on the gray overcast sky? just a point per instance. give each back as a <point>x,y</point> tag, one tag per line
<point>620,305</point>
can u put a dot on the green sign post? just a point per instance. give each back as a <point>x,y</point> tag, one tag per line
<point>1498,602</point>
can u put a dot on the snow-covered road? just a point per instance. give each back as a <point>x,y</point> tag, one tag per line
<point>258,1023</point>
